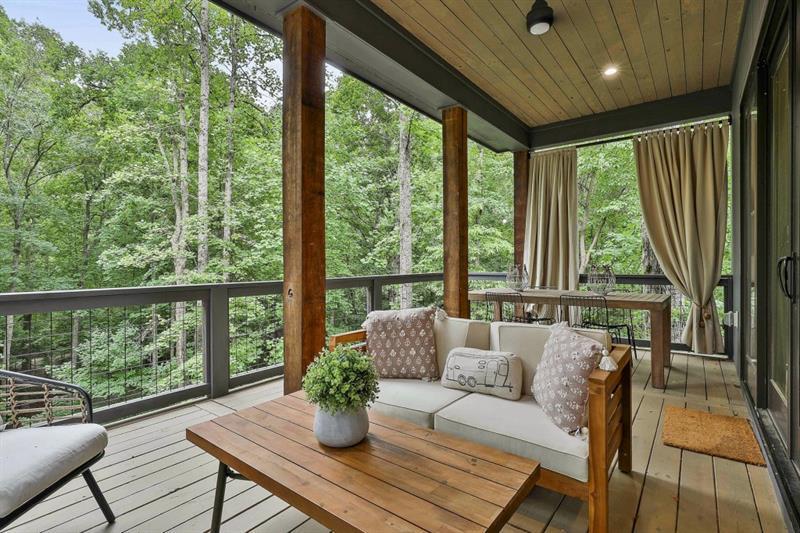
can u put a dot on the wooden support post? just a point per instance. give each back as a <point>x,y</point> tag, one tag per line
<point>303,192</point>
<point>521,173</point>
<point>521,176</point>
<point>454,140</point>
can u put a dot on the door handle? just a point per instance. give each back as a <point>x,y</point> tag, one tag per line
<point>786,275</point>
<point>781,265</point>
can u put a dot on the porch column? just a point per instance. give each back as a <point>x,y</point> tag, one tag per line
<point>454,139</point>
<point>521,169</point>
<point>303,192</point>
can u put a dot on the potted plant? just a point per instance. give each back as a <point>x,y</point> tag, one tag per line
<point>341,383</point>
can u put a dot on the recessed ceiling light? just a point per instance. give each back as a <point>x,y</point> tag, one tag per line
<point>540,17</point>
<point>610,71</point>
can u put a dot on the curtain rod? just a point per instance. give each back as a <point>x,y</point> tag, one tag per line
<point>626,137</point>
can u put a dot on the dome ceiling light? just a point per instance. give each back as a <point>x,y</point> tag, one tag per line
<point>610,71</point>
<point>540,17</point>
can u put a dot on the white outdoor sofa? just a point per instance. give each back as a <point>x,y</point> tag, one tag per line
<point>570,465</point>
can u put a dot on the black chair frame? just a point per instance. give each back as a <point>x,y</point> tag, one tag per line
<point>594,314</point>
<point>82,470</point>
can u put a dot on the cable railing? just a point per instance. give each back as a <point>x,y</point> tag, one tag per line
<point>144,348</point>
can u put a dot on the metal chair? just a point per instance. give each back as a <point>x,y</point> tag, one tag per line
<point>61,452</point>
<point>499,297</point>
<point>592,312</point>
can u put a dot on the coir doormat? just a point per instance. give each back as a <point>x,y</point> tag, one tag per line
<point>718,435</point>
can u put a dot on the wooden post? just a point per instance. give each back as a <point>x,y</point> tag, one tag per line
<point>454,140</point>
<point>521,173</point>
<point>303,192</point>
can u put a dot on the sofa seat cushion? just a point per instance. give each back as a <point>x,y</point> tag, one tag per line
<point>520,427</point>
<point>414,400</point>
<point>32,459</point>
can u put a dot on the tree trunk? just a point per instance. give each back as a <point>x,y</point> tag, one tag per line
<point>16,256</point>
<point>180,200</point>
<point>227,202</point>
<point>404,215</point>
<point>202,145</point>
<point>76,317</point>
<point>650,263</point>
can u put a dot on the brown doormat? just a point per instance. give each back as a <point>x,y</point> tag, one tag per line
<point>718,435</point>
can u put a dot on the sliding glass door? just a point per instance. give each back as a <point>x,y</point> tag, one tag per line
<point>780,242</point>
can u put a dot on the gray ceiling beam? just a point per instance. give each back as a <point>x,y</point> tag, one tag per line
<point>698,105</point>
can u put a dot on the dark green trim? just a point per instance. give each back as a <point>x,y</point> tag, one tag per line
<point>659,113</point>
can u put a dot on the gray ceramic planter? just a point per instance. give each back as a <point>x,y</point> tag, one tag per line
<point>340,430</point>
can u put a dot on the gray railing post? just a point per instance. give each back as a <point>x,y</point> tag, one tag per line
<point>217,342</point>
<point>375,291</point>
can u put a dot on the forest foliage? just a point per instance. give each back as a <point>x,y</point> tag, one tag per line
<point>162,165</point>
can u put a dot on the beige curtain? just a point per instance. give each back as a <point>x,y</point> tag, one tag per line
<point>683,192</point>
<point>551,224</point>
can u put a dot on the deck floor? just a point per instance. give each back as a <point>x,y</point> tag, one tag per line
<point>157,481</point>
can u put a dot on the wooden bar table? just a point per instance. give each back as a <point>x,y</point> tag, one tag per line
<point>658,305</point>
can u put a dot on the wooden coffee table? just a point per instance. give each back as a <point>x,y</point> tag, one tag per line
<point>402,477</point>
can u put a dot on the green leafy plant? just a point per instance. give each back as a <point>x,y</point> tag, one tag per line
<point>341,380</point>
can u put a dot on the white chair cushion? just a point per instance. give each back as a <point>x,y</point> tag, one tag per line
<point>520,427</point>
<point>452,333</point>
<point>32,459</point>
<point>414,400</point>
<point>527,342</point>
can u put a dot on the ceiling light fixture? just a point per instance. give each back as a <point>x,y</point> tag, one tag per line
<point>610,71</point>
<point>540,17</point>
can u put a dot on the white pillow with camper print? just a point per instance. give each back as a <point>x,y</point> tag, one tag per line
<point>484,372</point>
<point>561,382</point>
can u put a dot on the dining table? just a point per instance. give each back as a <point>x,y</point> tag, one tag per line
<point>658,305</point>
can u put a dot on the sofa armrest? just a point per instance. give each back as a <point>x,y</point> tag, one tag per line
<point>358,338</point>
<point>609,426</point>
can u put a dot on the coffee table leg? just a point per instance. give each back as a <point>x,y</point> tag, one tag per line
<point>219,497</point>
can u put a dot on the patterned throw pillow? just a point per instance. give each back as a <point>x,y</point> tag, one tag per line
<point>484,371</point>
<point>401,343</point>
<point>561,382</point>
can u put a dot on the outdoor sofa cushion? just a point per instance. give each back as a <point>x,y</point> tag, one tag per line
<point>453,332</point>
<point>527,342</point>
<point>414,400</point>
<point>520,427</point>
<point>33,459</point>
<point>401,343</point>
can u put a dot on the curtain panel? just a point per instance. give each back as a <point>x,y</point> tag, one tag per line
<point>683,183</point>
<point>551,224</point>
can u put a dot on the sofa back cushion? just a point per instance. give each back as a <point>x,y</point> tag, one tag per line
<point>402,343</point>
<point>484,372</point>
<point>458,333</point>
<point>527,342</point>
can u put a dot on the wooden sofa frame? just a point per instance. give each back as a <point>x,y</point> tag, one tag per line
<point>609,430</point>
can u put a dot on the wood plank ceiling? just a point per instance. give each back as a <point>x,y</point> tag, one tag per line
<point>662,48</point>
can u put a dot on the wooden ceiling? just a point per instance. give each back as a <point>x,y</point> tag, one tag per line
<point>662,48</point>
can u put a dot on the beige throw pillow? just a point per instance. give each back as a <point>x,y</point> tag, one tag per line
<point>401,343</point>
<point>484,372</point>
<point>561,382</point>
